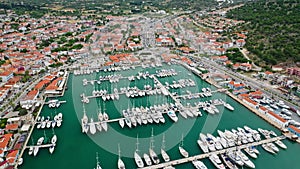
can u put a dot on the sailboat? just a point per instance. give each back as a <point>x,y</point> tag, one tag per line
<point>54,137</point>
<point>182,151</point>
<point>153,155</point>
<point>121,164</point>
<point>105,116</point>
<point>162,150</point>
<point>84,122</point>
<point>31,148</point>
<point>97,164</point>
<point>138,160</point>
<point>92,126</point>
<point>98,124</point>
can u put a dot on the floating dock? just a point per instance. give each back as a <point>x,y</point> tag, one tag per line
<point>201,156</point>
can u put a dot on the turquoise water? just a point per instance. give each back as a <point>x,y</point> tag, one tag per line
<point>78,151</point>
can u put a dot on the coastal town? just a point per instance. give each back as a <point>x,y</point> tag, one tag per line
<point>38,57</point>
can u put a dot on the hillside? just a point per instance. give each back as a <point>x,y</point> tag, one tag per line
<point>273,28</point>
<point>116,7</point>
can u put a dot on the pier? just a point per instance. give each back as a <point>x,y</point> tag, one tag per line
<point>63,101</point>
<point>41,146</point>
<point>201,156</point>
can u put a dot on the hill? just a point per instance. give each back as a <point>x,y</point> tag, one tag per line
<point>273,28</point>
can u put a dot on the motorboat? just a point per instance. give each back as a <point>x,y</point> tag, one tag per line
<point>268,148</point>
<point>271,145</point>
<point>281,144</point>
<point>203,146</point>
<point>245,159</point>
<point>51,148</point>
<point>216,161</point>
<point>172,115</point>
<point>228,162</point>
<point>235,158</point>
<point>250,152</point>
<point>199,164</point>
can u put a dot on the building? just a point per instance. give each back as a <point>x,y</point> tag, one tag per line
<point>5,76</point>
<point>294,130</point>
<point>294,71</point>
<point>29,99</point>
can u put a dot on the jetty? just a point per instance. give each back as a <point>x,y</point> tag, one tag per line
<point>41,146</point>
<point>202,156</point>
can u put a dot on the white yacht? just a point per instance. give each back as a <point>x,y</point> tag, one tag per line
<point>199,164</point>
<point>245,159</point>
<point>172,115</point>
<point>92,126</point>
<point>54,139</point>
<point>228,106</point>
<point>121,164</point>
<point>51,148</point>
<point>250,152</point>
<point>228,162</point>
<point>235,158</point>
<point>281,144</point>
<point>268,149</point>
<point>121,123</point>
<point>216,161</point>
<point>271,145</point>
<point>30,151</point>
<point>183,152</point>
<point>203,146</point>
<point>147,159</point>
<point>164,154</point>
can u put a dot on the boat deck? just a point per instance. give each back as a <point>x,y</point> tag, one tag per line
<point>201,156</point>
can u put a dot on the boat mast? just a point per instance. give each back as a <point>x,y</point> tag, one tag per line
<point>137,143</point>
<point>163,142</point>
<point>181,144</point>
<point>152,140</point>
<point>119,151</point>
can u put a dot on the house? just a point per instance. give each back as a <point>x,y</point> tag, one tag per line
<point>6,75</point>
<point>4,143</point>
<point>250,102</point>
<point>277,119</point>
<point>12,156</point>
<point>235,85</point>
<point>245,66</point>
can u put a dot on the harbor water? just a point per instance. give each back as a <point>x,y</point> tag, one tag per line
<point>76,150</point>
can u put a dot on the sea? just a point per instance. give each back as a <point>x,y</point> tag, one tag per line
<point>76,150</point>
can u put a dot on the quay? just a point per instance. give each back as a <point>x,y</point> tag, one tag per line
<point>41,146</point>
<point>30,132</point>
<point>63,101</point>
<point>200,94</point>
<point>202,156</point>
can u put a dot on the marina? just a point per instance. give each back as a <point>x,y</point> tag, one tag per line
<point>106,143</point>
